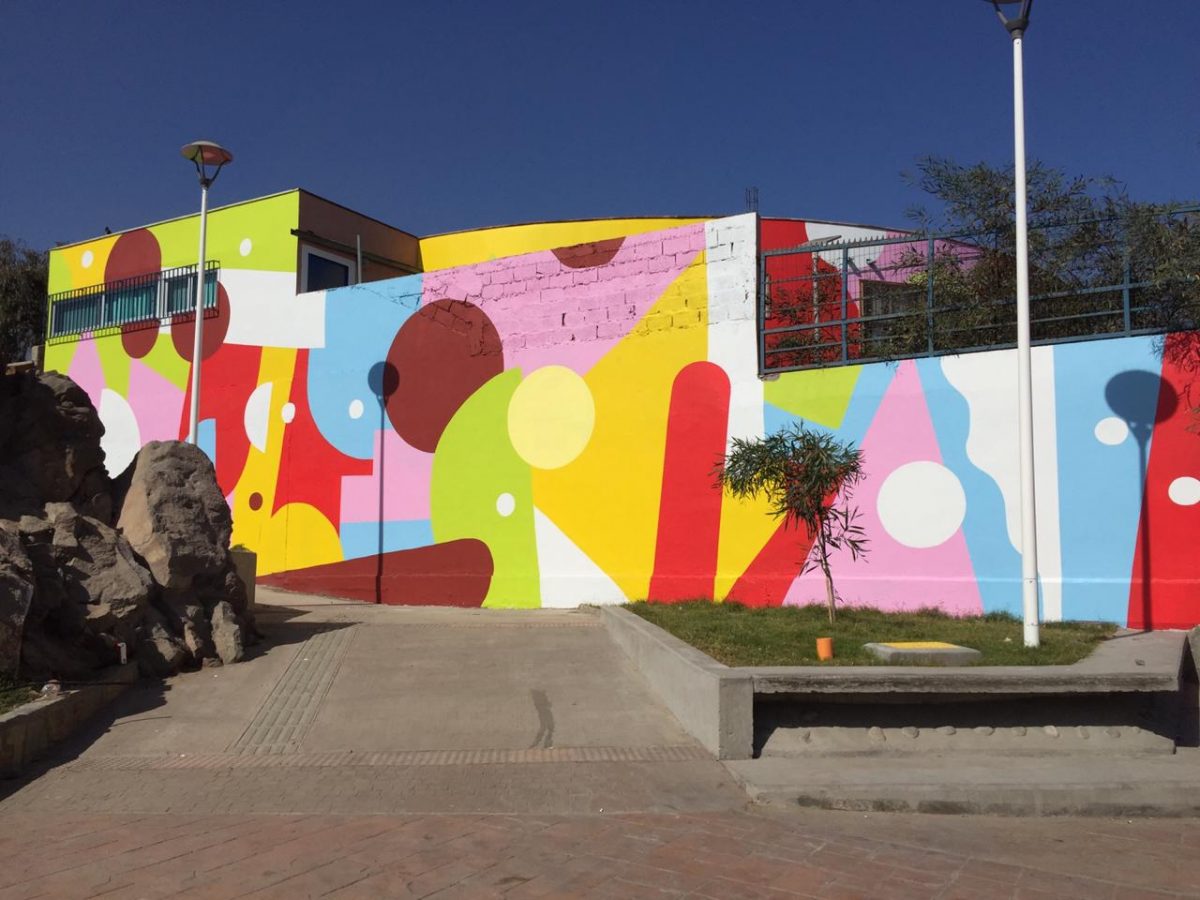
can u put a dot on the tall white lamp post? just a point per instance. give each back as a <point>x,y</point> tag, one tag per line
<point>1016,27</point>
<point>204,154</point>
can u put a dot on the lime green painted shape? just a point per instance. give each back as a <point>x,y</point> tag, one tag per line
<point>481,489</point>
<point>818,395</point>
<point>114,363</point>
<point>163,359</point>
<point>59,274</point>
<point>266,224</point>
<point>59,355</point>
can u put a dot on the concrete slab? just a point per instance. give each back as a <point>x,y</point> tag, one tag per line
<point>923,653</point>
<point>978,783</point>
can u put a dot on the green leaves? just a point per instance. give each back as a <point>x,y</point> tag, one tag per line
<point>808,479</point>
<point>22,299</point>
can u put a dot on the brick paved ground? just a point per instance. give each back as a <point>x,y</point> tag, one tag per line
<point>715,855</point>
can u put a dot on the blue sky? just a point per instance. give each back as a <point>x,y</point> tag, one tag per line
<point>441,116</point>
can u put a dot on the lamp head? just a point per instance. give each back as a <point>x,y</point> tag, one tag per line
<point>204,154</point>
<point>1017,24</point>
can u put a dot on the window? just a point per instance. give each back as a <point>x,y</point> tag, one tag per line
<point>321,270</point>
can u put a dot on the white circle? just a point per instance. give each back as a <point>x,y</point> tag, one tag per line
<point>245,247</point>
<point>356,409</point>
<point>87,259</point>
<point>1111,431</point>
<point>921,504</point>
<point>505,504</point>
<point>288,412</point>
<point>1185,490</point>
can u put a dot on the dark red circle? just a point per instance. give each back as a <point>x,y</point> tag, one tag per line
<point>183,328</point>
<point>256,500</point>
<point>445,352</point>
<point>138,338</point>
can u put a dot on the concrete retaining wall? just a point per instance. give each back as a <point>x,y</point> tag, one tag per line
<point>28,731</point>
<point>713,702</point>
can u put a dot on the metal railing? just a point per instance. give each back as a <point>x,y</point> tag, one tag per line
<point>902,296</point>
<point>143,298</point>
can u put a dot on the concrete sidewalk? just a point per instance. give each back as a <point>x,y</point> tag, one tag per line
<point>352,708</point>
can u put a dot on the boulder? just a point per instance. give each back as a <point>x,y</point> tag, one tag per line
<point>52,442</point>
<point>159,652</point>
<point>227,633</point>
<point>172,512</point>
<point>16,594</point>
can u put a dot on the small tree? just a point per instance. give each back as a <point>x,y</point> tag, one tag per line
<point>808,478</point>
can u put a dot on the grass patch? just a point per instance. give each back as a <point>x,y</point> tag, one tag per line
<point>786,636</point>
<point>12,696</point>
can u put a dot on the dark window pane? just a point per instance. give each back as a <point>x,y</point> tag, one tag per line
<point>324,274</point>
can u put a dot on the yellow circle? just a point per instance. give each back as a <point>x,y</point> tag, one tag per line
<point>550,417</point>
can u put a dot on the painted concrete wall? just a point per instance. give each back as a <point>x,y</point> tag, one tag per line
<point>540,430</point>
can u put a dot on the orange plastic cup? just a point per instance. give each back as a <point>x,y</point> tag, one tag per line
<point>824,648</point>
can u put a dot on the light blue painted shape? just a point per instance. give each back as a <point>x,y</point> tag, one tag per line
<point>206,438</point>
<point>362,538</point>
<point>1100,486</point>
<point>872,384</point>
<point>360,324</point>
<point>996,562</point>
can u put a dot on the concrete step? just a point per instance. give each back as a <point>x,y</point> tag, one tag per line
<point>997,784</point>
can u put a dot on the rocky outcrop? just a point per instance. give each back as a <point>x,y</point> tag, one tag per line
<point>16,592</point>
<point>87,564</point>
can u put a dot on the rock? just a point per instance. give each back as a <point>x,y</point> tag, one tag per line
<point>16,594</point>
<point>100,572</point>
<point>172,512</point>
<point>189,619</point>
<point>52,443</point>
<point>159,653</point>
<point>227,633</point>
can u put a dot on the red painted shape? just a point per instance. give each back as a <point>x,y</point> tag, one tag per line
<point>216,324</point>
<point>689,517</point>
<point>227,379</point>
<point>1166,549</point>
<point>456,573</point>
<point>767,579</point>
<point>133,253</point>
<point>311,469</point>
<point>803,285</point>
<point>139,338</point>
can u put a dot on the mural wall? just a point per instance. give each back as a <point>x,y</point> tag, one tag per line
<point>541,429</point>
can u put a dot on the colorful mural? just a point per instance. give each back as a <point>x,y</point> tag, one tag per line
<point>541,429</point>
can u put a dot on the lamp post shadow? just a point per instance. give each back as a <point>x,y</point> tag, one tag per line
<point>1141,399</point>
<point>382,379</point>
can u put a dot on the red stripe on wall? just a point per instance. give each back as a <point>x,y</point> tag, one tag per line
<point>689,518</point>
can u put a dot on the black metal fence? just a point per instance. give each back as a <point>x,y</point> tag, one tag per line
<point>144,298</point>
<point>900,296</point>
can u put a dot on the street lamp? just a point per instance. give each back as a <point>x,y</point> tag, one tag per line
<point>203,154</point>
<point>1016,27</point>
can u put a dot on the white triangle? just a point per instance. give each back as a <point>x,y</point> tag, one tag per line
<point>569,577</point>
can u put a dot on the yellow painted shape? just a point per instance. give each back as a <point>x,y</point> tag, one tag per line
<point>607,500</point>
<point>921,645</point>
<point>79,265</point>
<point>257,529</point>
<point>296,537</point>
<point>817,395</point>
<point>746,526</point>
<point>551,417</point>
<point>463,248</point>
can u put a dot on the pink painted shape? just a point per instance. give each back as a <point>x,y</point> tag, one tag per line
<point>86,370</point>
<point>156,402</point>
<point>895,577</point>
<point>550,314</point>
<point>407,473</point>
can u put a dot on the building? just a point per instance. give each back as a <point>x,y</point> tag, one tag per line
<point>530,415</point>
